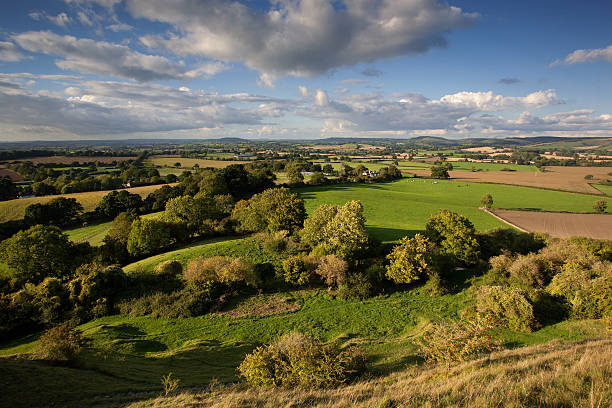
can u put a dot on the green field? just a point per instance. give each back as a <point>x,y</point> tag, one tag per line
<point>401,208</point>
<point>607,190</point>
<point>94,234</point>
<point>132,353</point>
<point>415,165</point>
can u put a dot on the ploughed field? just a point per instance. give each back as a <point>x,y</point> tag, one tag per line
<point>561,225</point>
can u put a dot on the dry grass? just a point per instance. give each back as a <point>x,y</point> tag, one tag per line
<point>552,375</point>
<point>555,177</point>
<point>263,305</point>
<point>561,225</point>
<point>15,209</point>
<point>80,159</point>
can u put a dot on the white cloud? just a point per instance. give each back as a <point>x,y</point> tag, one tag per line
<point>321,98</point>
<point>62,19</point>
<point>119,27</point>
<point>584,56</point>
<point>304,91</point>
<point>119,108</point>
<point>104,3</point>
<point>301,37</point>
<point>487,101</point>
<point>9,52</point>
<point>104,58</point>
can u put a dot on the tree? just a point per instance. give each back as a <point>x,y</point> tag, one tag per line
<point>121,227</point>
<point>275,209</point>
<point>8,190</point>
<point>455,234</point>
<point>439,172</point>
<point>60,211</point>
<point>346,233</point>
<point>411,259</point>
<point>487,201</point>
<point>600,206</point>
<point>294,173</point>
<point>328,169</point>
<point>318,178</point>
<point>117,202</point>
<point>38,252</point>
<point>148,236</point>
<point>312,234</point>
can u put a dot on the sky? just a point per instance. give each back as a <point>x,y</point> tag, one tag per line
<point>304,69</point>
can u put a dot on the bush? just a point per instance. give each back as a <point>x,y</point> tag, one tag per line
<point>601,248</point>
<point>455,342</point>
<point>169,268</point>
<point>297,271</point>
<point>499,240</point>
<point>509,307</point>
<point>93,290</point>
<point>487,201</point>
<point>221,269</point>
<point>455,234</point>
<point>356,286</point>
<point>60,344</point>
<point>298,360</point>
<point>411,259</point>
<point>332,270</point>
<point>600,206</point>
<point>190,301</point>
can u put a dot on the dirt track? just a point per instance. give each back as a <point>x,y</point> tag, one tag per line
<point>561,225</point>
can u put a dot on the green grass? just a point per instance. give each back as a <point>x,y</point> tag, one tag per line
<point>414,165</point>
<point>94,234</point>
<point>226,246</point>
<point>132,353</point>
<point>401,208</point>
<point>607,190</point>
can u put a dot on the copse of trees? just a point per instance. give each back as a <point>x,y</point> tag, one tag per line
<point>273,210</point>
<point>117,202</point>
<point>455,235</point>
<point>8,190</point>
<point>60,211</point>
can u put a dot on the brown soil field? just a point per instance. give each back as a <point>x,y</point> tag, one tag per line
<point>560,225</point>
<point>555,177</point>
<point>80,159</point>
<point>11,174</point>
<point>15,209</point>
<point>487,149</point>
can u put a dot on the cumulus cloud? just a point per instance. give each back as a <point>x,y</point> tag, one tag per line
<point>487,101</point>
<point>108,108</point>
<point>301,37</point>
<point>9,52</point>
<point>584,56</point>
<point>303,91</point>
<point>582,120</point>
<point>104,58</point>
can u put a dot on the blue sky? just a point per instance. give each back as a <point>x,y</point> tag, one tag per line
<point>304,69</point>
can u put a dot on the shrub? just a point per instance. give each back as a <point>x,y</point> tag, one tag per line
<point>600,206</point>
<point>169,268</point>
<point>94,289</point>
<point>411,259</point>
<point>487,201</point>
<point>455,234</point>
<point>499,240</point>
<point>454,342</point>
<point>601,248</point>
<point>60,344</point>
<point>273,210</point>
<point>509,307</point>
<point>332,270</point>
<point>221,269</point>
<point>355,286</point>
<point>296,270</point>
<point>298,360</point>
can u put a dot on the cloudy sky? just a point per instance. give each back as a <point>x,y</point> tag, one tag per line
<point>304,69</point>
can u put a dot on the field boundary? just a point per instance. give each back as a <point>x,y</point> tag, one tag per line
<point>504,220</point>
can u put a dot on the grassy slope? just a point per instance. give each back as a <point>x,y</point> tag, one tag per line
<point>393,210</point>
<point>15,209</point>
<point>555,375</point>
<point>94,234</point>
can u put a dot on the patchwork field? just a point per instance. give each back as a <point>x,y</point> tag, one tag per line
<point>15,209</point>
<point>555,177</point>
<point>169,161</point>
<point>80,159</point>
<point>561,225</point>
<point>401,208</point>
<point>14,176</point>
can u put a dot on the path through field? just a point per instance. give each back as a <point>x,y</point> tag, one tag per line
<point>561,225</point>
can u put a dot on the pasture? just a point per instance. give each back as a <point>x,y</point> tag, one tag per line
<point>15,209</point>
<point>401,208</point>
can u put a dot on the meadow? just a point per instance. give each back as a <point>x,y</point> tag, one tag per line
<point>394,210</point>
<point>188,163</point>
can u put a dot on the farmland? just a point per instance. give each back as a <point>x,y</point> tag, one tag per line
<point>561,225</point>
<point>78,159</point>
<point>188,163</point>
<point>401,208</point>
<point>15,209</point>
